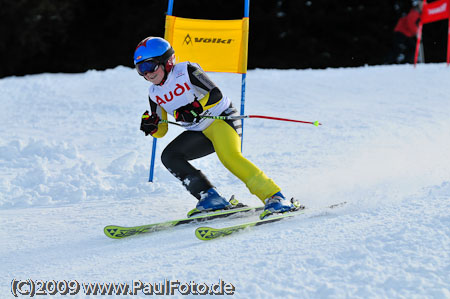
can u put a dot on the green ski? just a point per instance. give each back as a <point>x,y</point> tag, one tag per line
<point>209,233</point>
<point>119,232</point>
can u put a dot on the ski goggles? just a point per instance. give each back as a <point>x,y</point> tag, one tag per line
<point>147,66</point>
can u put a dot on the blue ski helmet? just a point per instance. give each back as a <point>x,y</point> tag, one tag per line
<point>153,48</point>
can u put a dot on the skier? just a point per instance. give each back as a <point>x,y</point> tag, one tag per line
<point>186,92</point>
<point>405,31</point>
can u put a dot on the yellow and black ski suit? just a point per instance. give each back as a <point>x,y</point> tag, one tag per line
<point>222,137</point>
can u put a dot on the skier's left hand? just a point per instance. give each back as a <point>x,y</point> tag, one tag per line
<point>189,113</point>
<point>149,123</point>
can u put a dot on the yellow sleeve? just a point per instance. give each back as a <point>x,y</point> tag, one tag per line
<point>162,127</point>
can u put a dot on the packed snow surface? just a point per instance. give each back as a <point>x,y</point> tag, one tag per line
<point>72,160</point>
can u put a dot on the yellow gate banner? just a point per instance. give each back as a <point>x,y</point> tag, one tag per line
<point>217,45</point>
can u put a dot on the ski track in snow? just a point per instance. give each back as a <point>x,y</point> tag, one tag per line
<point>72,160</point>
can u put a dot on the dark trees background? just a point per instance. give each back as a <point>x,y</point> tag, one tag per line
<point>77,35</point>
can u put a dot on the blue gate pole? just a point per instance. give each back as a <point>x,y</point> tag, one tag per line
<point>246,15</point>
<point>152,161</point>
<point>242,108</point>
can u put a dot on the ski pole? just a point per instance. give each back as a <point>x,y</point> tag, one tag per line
<point>231,117</point>
<point>236,117</point>
<point>169,122</point>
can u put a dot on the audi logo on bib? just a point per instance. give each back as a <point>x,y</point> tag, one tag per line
<point>178,91</point>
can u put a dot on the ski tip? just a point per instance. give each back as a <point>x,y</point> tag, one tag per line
<point>112,231</point>
<point>317,123</point>
<point>209,233</point>
<point>337,205</point>
<point>204,233</point>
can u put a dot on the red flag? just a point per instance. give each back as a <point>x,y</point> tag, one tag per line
<point>432,12</point>
<point>435,11</point>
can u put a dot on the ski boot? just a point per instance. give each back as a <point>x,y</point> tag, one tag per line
<point>212,201</point>
<point>277,203</point>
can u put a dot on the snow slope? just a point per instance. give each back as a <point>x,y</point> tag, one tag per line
<point>72,160</point>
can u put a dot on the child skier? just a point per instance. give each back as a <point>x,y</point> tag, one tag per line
<point>185,91</point>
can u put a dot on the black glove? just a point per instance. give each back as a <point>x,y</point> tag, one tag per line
<point>149,123</point>
<point>189,112</point>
